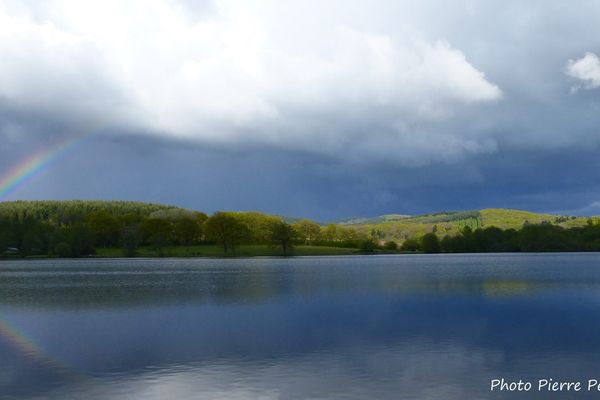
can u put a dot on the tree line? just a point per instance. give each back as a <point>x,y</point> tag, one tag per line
<point>79,228</point>
<point>530,238</point>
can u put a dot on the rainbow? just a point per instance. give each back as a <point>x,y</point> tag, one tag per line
<point>37,163</point>
<point>11,181</point>
<point>31,351</point>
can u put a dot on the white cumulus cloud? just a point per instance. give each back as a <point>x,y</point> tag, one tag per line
<point>586,70</point>
<point>223,73</point>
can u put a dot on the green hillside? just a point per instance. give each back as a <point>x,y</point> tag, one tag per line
<point>451,223</point>
<point>506,219</point>
<point>375,220</point>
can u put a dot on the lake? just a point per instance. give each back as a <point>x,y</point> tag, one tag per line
<point>357,327</point>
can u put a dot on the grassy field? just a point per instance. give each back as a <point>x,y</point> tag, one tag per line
<point>215,251</point>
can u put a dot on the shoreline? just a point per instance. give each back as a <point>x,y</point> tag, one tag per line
<point>270,256</point>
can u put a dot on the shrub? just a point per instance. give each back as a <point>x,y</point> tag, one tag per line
<point>63,250</point>
<point>390,245</point>
<point>410,245</point>
<point>430,243</point>
<point>367,246</point>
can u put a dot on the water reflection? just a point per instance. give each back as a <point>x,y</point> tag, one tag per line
<point>373,371</point>
<point>343,327</point>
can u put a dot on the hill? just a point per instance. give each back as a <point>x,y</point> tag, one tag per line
<point>452,222</point>
<point>374,220</point>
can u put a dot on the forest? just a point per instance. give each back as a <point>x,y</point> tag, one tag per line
<point>79,228</point>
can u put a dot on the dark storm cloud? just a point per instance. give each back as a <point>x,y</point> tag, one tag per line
<point>327,110</point>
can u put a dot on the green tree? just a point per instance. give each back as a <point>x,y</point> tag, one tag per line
<point>130,239</point>
<point>447,245</point>
<point>3,241</point>
<point>349,237</point>
<point>106,228</point>
<point>329,233</point>
<point>283,234</point>
<point>32,243</point>
<point>545,237</point>
<point>81,240</point>
<point>79,237</point>
<point>158,241</point>
<point>201,219</point>
<point>63,250</point>
<point>390,245</point>
<point>226,230</point>
<point>153,228</point>
<point>430,243</point>
<point>186,231</point>
<point>367,246</point>
<point>259,226</point>
<point>410,244</point>
<point>377,234</point>
<point>308,231</point>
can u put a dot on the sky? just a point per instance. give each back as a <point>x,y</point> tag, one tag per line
<point>327,110</point>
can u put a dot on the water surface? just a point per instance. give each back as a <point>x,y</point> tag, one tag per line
<point>380,327</point>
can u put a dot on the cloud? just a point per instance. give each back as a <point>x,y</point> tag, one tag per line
<point>586,70</point>
<point>326,109</point>
<point>220,74</point>
<point>590,209</point>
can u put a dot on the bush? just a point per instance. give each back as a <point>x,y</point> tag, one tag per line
<point>367,246</point>
<point>390,245</point>
<point>410,245</point>
<point>430,243</point>
<point>63,250</point>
